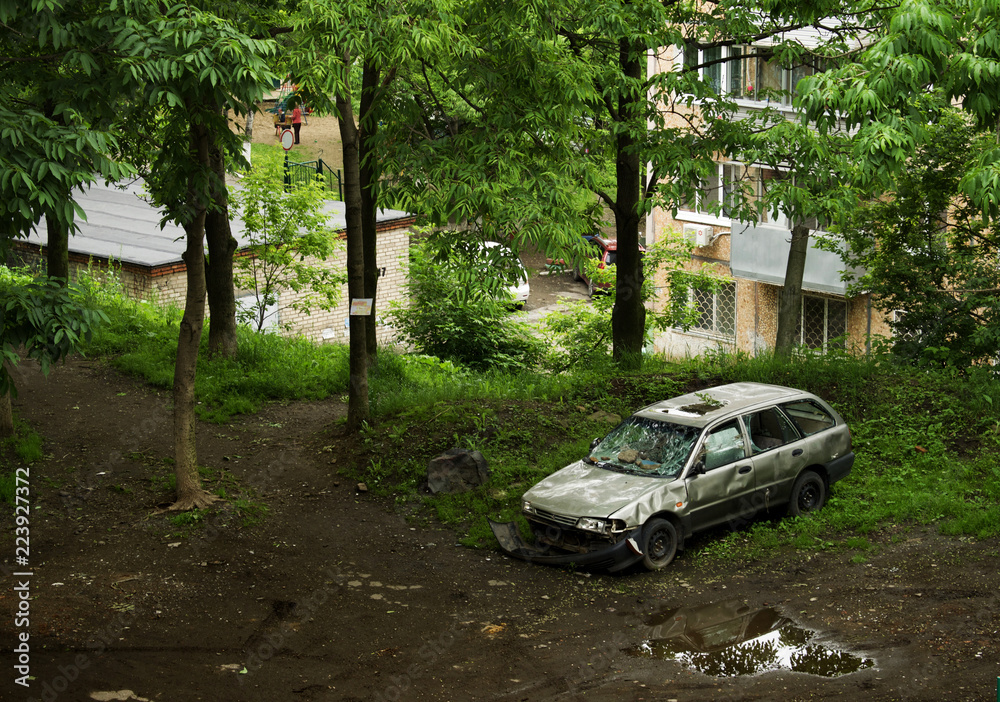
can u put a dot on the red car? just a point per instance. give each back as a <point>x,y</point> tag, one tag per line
<point>606,253</point>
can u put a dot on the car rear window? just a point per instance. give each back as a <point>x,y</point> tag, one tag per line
<point>808,416</point>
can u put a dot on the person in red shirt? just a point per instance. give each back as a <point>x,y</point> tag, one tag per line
<point>297,120</point>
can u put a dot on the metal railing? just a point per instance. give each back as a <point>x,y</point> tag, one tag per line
<point>306,171</point>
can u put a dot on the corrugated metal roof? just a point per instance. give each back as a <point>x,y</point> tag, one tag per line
<point>123,225</point>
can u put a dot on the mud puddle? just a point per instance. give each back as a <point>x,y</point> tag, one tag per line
<point>729,639</point>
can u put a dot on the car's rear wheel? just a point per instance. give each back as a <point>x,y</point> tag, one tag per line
<point>659,543</point>
<point>808,494</point>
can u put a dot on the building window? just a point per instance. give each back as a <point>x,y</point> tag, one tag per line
<point>713,197</point>
<point>715,310</point>
<point>822,323</point>
<point>750,72</point>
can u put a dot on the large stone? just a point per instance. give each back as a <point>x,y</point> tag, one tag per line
<point>457,470</point>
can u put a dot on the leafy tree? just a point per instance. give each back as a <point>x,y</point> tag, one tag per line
<point>582,332</point>
<point>896,102</point>
<point>184,64</point>
<point>286,233</point>
<point>932,54</point>
<point>57,89</point>
<point>470,324</point>
<point>43,318</point>
<point>559,99</point>
<point>336,42</point>
<point>927,256</point>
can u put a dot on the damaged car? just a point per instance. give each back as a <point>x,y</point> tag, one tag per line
<point>678,466</point>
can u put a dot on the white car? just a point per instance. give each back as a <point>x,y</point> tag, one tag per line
<point>520,290</point>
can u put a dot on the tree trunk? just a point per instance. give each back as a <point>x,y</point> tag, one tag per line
<point>6,416</point>
<point>358,410</point>
<point>219,266</point>
<point>190,494</point>
<point>628,318</point>
<point>57,248</point>
<point>369,173</point>
<point>6,410</point>
<point>790,300</point>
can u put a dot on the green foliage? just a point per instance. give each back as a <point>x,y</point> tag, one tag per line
<point>288,240</point>
<point>471,324</point>
<point>26,445</point>
<point>141,339</point>
<point>57,91</point>
<point>929,56</point>
<point>188,68</point>
<point>927,256</point>
<point>44,319</point>
<point>579,334</point>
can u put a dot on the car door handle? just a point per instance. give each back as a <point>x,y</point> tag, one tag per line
<point>797,452</point>
<point>745,469</point>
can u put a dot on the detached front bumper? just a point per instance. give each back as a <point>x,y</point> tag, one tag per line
<point>613,558</point>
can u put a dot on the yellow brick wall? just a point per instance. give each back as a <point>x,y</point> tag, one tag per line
<point>756,304</point>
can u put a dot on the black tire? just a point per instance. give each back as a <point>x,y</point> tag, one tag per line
<point>590,288</point>
<point>659,543</point>
<point>808,494</point>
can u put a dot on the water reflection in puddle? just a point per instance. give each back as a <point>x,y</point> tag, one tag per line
<point>727,639</point>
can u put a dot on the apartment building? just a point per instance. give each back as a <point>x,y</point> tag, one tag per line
<point>751,257</point>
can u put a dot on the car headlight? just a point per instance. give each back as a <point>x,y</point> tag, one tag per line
<point>600,526</point>
<point>527,508</point>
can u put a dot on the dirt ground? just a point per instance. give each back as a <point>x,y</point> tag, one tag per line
<point>338,596</point>
<point>319,135</point>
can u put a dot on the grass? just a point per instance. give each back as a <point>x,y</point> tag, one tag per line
<point>141,340</point>
<point>925,445</point>
<point>23,448</point>
<point>925,441</point>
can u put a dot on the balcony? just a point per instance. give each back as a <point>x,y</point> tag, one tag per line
<point>761,253</point>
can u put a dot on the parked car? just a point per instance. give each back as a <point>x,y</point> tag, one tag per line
<point>519,290</point>
<point>680,466</point>
<point>605,251</point>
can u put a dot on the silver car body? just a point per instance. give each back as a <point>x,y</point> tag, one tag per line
<point>719,457</point>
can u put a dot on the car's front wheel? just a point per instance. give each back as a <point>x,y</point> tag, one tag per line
<point>808,494</point>
<point>659,543</point>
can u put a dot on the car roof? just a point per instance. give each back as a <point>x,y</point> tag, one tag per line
<point>701,408</point>
<point>609,244</point>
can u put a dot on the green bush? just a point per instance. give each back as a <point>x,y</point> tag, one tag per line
<point>461,319</point>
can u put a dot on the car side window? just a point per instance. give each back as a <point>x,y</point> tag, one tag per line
<point>724,445</point>
<point>808,416</point>
<point>768,429</point>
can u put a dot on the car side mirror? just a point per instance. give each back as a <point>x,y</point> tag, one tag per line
<point>594,443</point>
<point>698,468</point>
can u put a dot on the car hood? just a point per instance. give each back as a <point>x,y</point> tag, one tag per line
<point>582,490</point>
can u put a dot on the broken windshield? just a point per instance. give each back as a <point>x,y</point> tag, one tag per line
<point>645,447</point>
